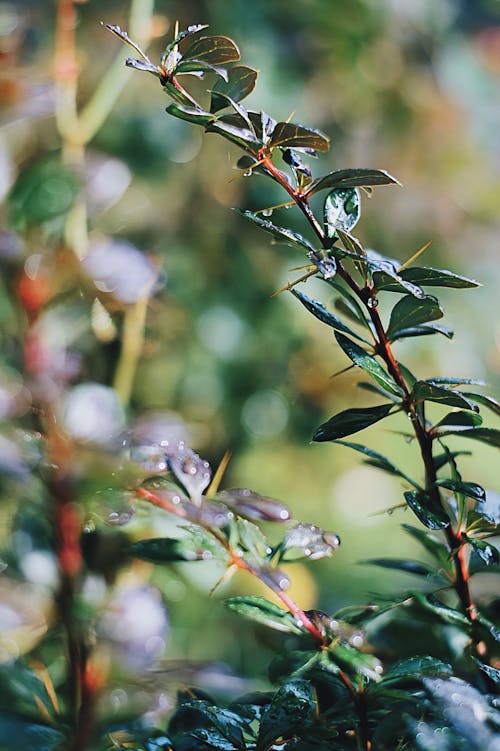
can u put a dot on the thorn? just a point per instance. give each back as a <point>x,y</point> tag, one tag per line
<point>219,474</point>
<point>414,256</point>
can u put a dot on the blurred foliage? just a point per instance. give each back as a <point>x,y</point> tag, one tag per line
<point>410,87</point>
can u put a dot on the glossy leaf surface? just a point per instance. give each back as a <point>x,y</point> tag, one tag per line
<point>351,178</point>
<point>290,135</point>
<point>409,312</point>
<point>366,362</point>
<point>342,210</point>
<point>431,392</point>
<point>289,713</point>
<point>280,233</point>
<point>240,83</point>
<point>351,421</point>
<point>263,611</point>
<point>324,315</point>
<point>432,519</point>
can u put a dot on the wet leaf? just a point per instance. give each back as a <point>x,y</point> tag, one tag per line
<point>431,392</point>
<point>469,489</point>
<point>486,401</point>
<point>290,135</point>
<point>366,362</point>
<point>240,135</point>
<point>446,614</point>
<point>263,611</point>
<point>191,470</point>
<point>419,504</point>
<point>387,276</point>
<point>301,171</point>
<point>488,553</point>
<point>377,460</point>
<point>166,550</point>
<point>253,505</point>
<point>307,541</point>
<point>252,539</point>
<point>411,311</point>
<point>213,49</point>
<point>428,277</point>
<point>342,210</point>
<point>289,713</point>
<point>351,178</point>
<point>194,29</point>
<point>240,83</point>
<point>492,673</point>
<point>490,436</point>
<point>147,67</point>
<point>217,727</point>
<point>351,659</point>
<point>397,564</point>
<point>412,669</point>
<point>281,233</point>
<point>351,421</point>
<point>326,265</point>
<point>324,315</point>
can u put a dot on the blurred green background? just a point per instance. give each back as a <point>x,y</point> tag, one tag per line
<point>410,87</point>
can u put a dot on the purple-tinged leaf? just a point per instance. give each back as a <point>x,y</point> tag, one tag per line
<point>307,541</point>
<point>290,135</point>
<point>352,178</point>
<point>240,83</point>
<point>182,35</point>
<point>213,49</point>
<point>327,266</point>
<point>253,505</point>
<point>192,471</point>
<point>132,62</point>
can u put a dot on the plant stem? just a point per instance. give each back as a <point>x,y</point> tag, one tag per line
<point>131,349</point>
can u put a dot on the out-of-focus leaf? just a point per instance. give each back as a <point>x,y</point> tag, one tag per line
<point>342,210</point>
<point>408,567</point>
<point>351,178</point>
<point>486,401</point>
<point>488,553</point>
<point>351,421</point>
<point>490,627</point>
<point>431,392</point>
<point>240,83</point>
<point>434,546</point>
<point>324,315</point>
<point>490,436</point>
<point>252,539</point>
<point>289,713</point>
<point>253,505</point>
<point>469,489</point>
<point>349,305</point>
<point>281,233</point>
<point>213,49</point>
<point>42,192</point>
<point>190,114</point>
<point>166,550</point>
<point>291,135</point>
<point>378,460</point>
<point>431,518</point>
<point>23,732</point>
<point>92,413</point>
<point>411,311</point>
<point>446,614</point>
<point>261,610</point>
<point>120,269</point>
<point>441,460</point>
<point>363,360</point>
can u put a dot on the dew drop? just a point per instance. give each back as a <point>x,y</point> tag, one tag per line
<point>372,302</point>
<point>247,173</point>
<point>267,212</point>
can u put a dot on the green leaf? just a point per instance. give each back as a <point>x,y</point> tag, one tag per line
<point>291,135</point>
<point>200,67</point>
<point>178,96</point>
<point>213,49</point>
<point>488,626</point>
<point>180,36</point>
<point>412,669</point>
<point>446,614</point>
<point>368,363</point>
<point>359,663</point>
<point>447,458</point>
<point>374,389</point>
<point>242,137</point>
<point>425,330</point>
<point>42,192</point>
<point>290,712</point>
<point>431,518</point>
<point>349,305</point>
<point>166,550</point>
<point>263,611</point>
<point>490,436</point>
<point>397,564</point>
<point>190,114</point>
<point>351,421</point>
<point>431,392</point>
<point>240,83</point>
<point>435,547</point>
<point>411,311</point>
<point>460,419</point>
<point>342,210</point>
<point>378,460</point>
<point>209,723</point>
<point>486,401</point>
<point>252,539</point>
<point>469,489</point>
<point>18,731</point>
<point>428,277</point>
<point>492,673</point>
<point>351,178</point>
<point>322,314</point>
<point>281,233</point>
<point>488,553</point>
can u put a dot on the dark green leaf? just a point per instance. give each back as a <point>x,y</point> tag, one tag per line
<point>427,277</point>
<point>396,564</point>
<point>289,713</point>
<point>201,718</point>
<point>166,550</point>
<point>368,363</point>
<point>180,36</point>
<point>261,610</point>
<point>240,136</point>
<point>378,460</point>
<point>488,625</point>
<point>445,613</point>
<point>200,67</point>
<point>490,436</point>
<point>412,669</point>
<point>349,305</point>
<point>281,233</point>
<point>240,83</point>
<point>322,314</point>
<point>190,114</point>
<point>469,489</point>
<point>42,192</point>
<point>492,673</point>
<point>178,96</point>
<point>488,553</point>
<point>432,519</point>
<point>292,664</point>
<point>434,546</point>
<point>411,311</point>
<point>352,178</point>
<point>425,330</point>
<point>213,49</point>
<point>19,732</point>
<point>460,419</point>
<point>486,401</point>
<point>431,392</point>
<point>351,659</point>
<point>290,135</point>
<point>351,421</point>
<point>342,210</point>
